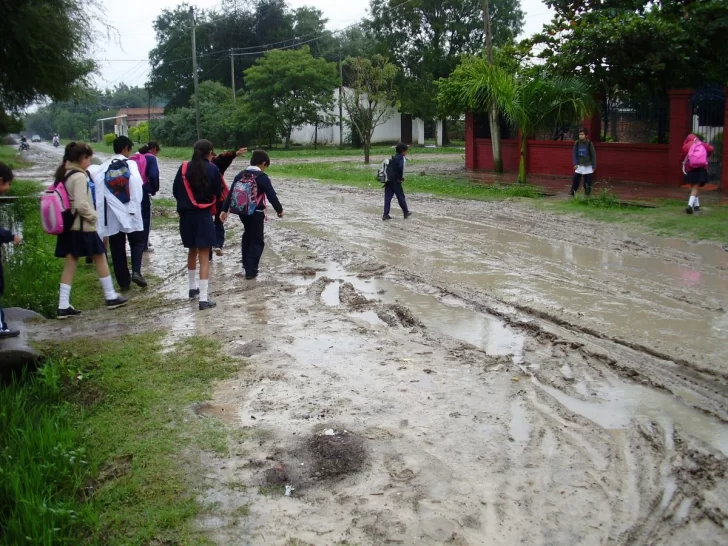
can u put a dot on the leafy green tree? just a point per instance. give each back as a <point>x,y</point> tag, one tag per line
<point>426,39</point>
<point>532,101</point>
<point>45,51</point>
<point>637,46</point>
<point>292,86</point>
<point>372,96</point>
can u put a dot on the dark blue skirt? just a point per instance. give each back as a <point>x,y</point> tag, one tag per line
<point>79,244</point>
<point>197,230</point>
<point>697,176</point>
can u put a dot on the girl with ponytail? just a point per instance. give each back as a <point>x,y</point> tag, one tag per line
<point>198,188</point>
<point>81,238</point>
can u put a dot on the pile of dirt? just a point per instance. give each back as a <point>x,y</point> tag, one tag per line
<point>336,452</point>
<point>349,296</point>
<point>398,315</point>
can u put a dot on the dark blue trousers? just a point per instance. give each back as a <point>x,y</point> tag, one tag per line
<point>253,242</point>
<point>392,189</point>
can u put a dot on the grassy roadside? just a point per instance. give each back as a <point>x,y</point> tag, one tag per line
<point>95,447</point>
<point>364,177</point>
<point>10,156</point>
<point>667,219</point>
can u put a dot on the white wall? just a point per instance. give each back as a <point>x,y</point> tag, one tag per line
<point>389,132</point>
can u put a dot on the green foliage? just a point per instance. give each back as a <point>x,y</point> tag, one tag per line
<point>637,46</point>
<point>140,133</point>
<point>10,156</point>
<point>372,96</point>
<point>109,138</point>
<point>290,87</point>
<point>426,39</point>
<point>91,454</point>
<point>46,49</point>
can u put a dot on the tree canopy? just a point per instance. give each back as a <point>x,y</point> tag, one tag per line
<point>426,39</point>
<point>637,46</point>
<point>45,51</point>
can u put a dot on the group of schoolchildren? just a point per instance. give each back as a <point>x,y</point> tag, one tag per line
<point>110,205</point>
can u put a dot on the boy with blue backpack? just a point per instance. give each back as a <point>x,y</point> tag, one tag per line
<point>246,198</point>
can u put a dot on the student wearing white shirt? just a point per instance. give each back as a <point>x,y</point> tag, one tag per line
<point>119,194</point>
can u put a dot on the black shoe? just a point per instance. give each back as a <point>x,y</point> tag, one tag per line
<point>66,313</point>
<point>194,293</point>
<point>696,208</point>
<point>572,194</point>
<point>7,332</point>
<point>218,251</point>
<point>251,277</point>
<point>209,304</point>
<point>137,279</point>
<point>386,217</point>
<point>407,215</point>
<point>689,210</point>
<point>118,302</point>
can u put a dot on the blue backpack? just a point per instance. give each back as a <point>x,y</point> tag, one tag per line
<point>244,198</point>
<point>117,179</point>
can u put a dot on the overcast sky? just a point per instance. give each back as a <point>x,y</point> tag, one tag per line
<point>134,18</point>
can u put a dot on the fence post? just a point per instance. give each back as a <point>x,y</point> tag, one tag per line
<point>681,125</point>
<point>724,161</point>
<point>470,141</point>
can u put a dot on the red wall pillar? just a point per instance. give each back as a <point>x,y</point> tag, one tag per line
<point>681,125</point>
<point>724,168</point>
<point>469,141</point>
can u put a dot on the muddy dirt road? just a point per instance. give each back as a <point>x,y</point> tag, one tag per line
<point>480,374</point>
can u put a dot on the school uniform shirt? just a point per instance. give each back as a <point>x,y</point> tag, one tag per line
<point>400,162</point>
<point>81,200</point>
<point>115,216</point>
<point>585,157</point>
<point>209,194</point>
<point>152,184</point>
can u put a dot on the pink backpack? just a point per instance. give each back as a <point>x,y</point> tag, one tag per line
<point>697,157</point>
<point>141,161</point>
<point>55,207</point>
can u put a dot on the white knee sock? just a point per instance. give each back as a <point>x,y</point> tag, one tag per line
<point>697,201</point>
<point>108,285</point>
<point>691,201</point>
<point>192,278</point>
<point>64,301</point>
<point>203,289</point>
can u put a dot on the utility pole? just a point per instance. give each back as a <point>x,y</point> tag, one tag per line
<point>149,112</point>
<point>194,73</point>
<point>232,73</point>
<point>493,117</point>
<point>341,107</point>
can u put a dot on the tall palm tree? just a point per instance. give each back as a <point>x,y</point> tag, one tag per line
<point>531,101</point>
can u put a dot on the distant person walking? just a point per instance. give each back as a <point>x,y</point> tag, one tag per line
<point>585,163</point>
<point>146,160</point>
<point>6,236</point>
<point>251,187</point>
<point>694,156</point>
<point>119,195</point>
<point>393,184</point>
<point>81,238</point>
<point>197,188</point>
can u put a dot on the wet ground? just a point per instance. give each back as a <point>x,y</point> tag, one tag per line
<point>482,373</point>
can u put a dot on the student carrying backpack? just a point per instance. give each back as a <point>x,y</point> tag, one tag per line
<point>694,156</point>
<point>394,171</point>
<point>146,160</point>
<point>197,188</point>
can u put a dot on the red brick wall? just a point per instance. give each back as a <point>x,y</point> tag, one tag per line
<point>620,161</point>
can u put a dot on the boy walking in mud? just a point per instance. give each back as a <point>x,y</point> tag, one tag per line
<point>6,236</point>
<point>394,180</point>
<point>585,163</point>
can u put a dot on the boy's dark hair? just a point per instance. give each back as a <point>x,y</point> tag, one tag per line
<point>260,157</point>
<point>6,173</point>
<point>401,147</point>
<point>73,153</point>
<point>144,149</point>
<point>584,130</point>
<point>153,145</point>
<point>122,142</point>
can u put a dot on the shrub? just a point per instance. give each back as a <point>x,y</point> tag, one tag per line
<point>109,138</point>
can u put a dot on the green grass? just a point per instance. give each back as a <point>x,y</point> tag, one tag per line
<point>668,218</point>
<point>94,448</point>
<point>32,272</point>
<point>440,185</point>
<point>10,156</point>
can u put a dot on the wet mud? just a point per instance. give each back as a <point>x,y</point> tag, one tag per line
<point>481,374</point>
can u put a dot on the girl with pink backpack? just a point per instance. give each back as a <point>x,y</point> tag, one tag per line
<point>79,237</point>
<point>694,156</point>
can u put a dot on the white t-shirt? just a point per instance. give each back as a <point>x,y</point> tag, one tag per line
<point>584,169</point>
